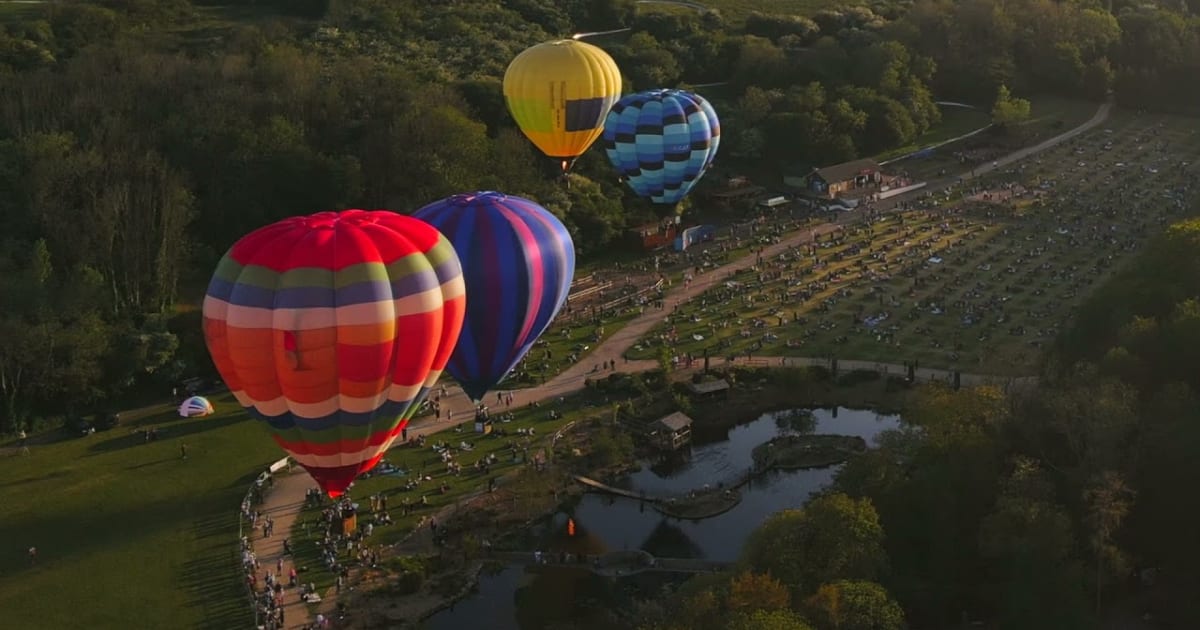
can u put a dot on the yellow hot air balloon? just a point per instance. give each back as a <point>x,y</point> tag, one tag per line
<point>559,93</point>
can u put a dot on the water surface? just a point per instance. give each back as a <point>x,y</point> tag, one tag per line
<point>526,599</point>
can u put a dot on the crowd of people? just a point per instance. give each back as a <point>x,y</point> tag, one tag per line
<point>956,278</point>
<point>1005,257</point>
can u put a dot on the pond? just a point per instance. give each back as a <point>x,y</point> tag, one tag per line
<point>517,598</point>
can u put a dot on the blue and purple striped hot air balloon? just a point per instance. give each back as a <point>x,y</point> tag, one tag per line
<point>518,261</point>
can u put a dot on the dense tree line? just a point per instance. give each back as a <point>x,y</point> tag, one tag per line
<point>140,138</point>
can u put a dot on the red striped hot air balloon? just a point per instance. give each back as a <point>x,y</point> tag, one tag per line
<point>331,329</point>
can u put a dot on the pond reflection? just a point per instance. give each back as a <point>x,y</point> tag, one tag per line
<point>548,598</point>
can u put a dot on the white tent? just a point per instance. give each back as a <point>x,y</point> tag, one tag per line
<point>195,406</point>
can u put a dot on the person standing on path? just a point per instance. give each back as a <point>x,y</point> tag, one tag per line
<point>183,451</point>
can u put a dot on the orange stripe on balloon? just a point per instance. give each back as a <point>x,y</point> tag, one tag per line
<point>367,334</point>
<point>363,389</point>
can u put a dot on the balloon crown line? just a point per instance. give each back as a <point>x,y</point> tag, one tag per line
<point>466,199</point>
<point>664,92</point>
<point>330,219</point>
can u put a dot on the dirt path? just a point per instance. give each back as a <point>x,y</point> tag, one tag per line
<point>286,499</point>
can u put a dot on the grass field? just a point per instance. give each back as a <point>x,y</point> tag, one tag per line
<point>579,335</point>
<point>956,121</point>
<point>416,462</point>
<point>553,353</point>
<point>1049,116</point>
<point>1005,278</point>
<point>128,534</point>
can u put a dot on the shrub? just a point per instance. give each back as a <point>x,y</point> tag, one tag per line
<point>896,384</point>
<point>856,377</point>
<point>820,373</point>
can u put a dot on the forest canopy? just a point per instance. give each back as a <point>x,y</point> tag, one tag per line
<point>140,138</point>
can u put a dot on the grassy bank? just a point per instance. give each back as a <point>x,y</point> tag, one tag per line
<point>128,533</point>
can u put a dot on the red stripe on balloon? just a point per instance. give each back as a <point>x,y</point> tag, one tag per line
<point>335,481</point>
<point>533,259</point>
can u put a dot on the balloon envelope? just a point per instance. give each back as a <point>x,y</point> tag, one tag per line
<point>661,142</point>
<point>195,406</point>
<point>331,328</point>
<point>518,261</point>
<point>559,92</point>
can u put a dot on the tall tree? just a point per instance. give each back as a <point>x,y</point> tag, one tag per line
<point>1007,110</point>
<point>767,620</point>
<point>755,591</point>
<point>834,537</point>
<point>1031,577</point>
<point>849,605</point>
<point>1108,500</point>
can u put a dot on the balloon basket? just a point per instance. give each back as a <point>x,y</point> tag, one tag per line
<point>349,524</point>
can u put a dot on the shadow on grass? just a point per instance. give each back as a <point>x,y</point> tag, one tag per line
<point>44,477</point>
<point>127,439</point>
<point>213,584</point>
<point>224,524</point>
<point>62,536</point>
<point>153,463</point>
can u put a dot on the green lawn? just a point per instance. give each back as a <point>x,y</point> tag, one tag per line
<point>420,461</point>
<point>956,121</point>
<point>1018,271</point>
<point>562,340</point>
<point>580,336</point>
<point>1051,115</point>
<point>128,534</point>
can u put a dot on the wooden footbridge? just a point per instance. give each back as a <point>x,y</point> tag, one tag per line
<point>612,564</point>
<point>600,486</point>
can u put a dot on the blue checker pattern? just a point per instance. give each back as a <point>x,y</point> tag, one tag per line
<point>661,142</point>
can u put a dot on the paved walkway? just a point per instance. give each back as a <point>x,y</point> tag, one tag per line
<point>285,500</point>
<point>1100,116</point>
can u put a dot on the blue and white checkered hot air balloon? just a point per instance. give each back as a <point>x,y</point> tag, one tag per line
<point>661,142</point>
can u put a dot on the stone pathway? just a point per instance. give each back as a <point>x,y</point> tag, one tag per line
<point>285,500</point>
